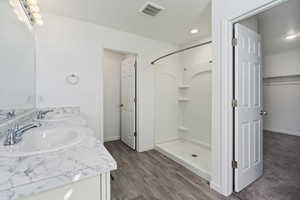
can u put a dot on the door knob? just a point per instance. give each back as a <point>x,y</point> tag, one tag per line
<point>263,113</point>
<point>121,105</point>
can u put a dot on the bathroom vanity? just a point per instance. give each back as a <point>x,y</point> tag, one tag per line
<point>57,160</point>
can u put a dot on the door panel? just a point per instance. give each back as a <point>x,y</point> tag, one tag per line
<point>248,121</point>
<point>128,101</point>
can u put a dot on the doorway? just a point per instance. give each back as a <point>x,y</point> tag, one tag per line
<point>119,81</point>
<point>266,88</point>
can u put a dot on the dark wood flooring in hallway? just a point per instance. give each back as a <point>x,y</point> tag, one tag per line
<point>281,177</point>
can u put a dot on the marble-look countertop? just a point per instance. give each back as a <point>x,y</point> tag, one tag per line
<point>25,176</point>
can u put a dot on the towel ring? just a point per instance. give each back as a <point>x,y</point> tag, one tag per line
<point>72,79</point>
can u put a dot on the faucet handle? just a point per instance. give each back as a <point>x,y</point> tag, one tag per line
<point>10,137</point>
<point>10,131</point>
<point>39,114</point>
<point>15,127</point>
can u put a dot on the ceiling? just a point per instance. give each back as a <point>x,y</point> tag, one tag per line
<point>172,25</point>
<point>277,23</point>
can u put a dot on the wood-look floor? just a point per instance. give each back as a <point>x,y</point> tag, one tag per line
<point>152,176</point>
<point>281,178</point>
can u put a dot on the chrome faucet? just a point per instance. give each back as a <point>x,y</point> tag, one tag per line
<point>9,115</point>
<point>42,114</point>
<point>14,135</point>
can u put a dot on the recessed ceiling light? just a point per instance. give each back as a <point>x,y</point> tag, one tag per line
<point>290,37</point>
<point>194,31</point>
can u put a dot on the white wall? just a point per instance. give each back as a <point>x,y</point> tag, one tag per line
<point>280,56</point>
<point>196,114</point>
<point>281,59</point>
<point>65,45</point>
<point>281,101</point>
<point>112,94</point>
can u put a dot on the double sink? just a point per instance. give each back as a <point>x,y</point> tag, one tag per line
<point>45,138</point>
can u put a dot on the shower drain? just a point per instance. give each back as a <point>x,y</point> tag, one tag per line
<point>194,155</point>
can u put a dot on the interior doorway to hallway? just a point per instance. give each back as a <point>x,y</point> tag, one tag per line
<point>119,75</point>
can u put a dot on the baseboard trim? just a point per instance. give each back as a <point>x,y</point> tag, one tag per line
<point>109,139</point>
<point>146,148</point>
<point>282,132</point>
<point>215,187</point>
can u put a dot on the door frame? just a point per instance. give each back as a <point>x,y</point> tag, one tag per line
<point>223,112</point>
<point>137,94</point>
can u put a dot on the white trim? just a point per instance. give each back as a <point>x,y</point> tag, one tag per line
<point>114,138</point>
<point>227,114</point>
<point>101,111</point>
<point>138,105</point>
<point>139,148</point>
<point>215,187</point>
<point>257,10</point>
<point>294,133</point>
<point>222,115</point>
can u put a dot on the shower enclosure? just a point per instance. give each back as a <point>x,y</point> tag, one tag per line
<point>183,107</point>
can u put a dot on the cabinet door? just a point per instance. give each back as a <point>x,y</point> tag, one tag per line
<point>95,188</point>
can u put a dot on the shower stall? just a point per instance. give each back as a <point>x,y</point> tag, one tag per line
<point>183,107</point>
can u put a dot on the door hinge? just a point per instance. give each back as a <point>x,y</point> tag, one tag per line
<point>234,164</point>
<point>134,134</point>
<point>234,103</point>
<point>234,42</point>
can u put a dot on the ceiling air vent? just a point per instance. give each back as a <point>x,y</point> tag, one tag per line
<point>151,9</point>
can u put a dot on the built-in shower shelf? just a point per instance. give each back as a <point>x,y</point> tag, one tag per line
<point>183,99</point>
<point>184,86</point>
<point>182,128</point>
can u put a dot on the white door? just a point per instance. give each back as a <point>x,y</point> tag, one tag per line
<point>128,101</point>
<point>248,112</point>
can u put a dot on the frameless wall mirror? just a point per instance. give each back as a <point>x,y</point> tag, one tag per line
<point>17,64</point>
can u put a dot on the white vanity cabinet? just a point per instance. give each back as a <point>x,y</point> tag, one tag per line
<point>94,188</point>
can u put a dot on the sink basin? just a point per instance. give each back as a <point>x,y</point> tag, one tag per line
<point>45,140</point>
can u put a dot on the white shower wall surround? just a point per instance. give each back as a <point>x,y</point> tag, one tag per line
<point>183,106</point>
<point>196,113</point>
<point>167,77</point>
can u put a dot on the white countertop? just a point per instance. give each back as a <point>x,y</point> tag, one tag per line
<point>25,176</point>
